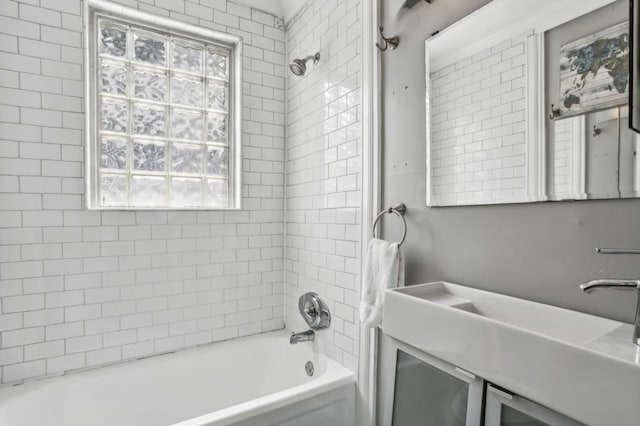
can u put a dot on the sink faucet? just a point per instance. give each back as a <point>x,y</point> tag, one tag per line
<point>305,336</point>
<point>618,284</point>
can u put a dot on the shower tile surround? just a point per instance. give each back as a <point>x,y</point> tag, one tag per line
<point>85,288</point>
<point>323,186</point>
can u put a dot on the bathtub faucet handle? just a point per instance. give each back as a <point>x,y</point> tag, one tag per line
<point>314,311</point>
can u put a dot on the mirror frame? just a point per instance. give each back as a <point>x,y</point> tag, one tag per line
<point>634,72</point>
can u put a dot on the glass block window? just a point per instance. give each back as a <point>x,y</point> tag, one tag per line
<point>164,117</point>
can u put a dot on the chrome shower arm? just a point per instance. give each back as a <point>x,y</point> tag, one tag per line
<point>315,58</point>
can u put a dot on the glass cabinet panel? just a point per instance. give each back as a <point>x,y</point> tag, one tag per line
<point>513,417</point>
<point>427,396</point>
<point>504,409</point>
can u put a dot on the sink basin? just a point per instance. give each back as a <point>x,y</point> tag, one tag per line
<point>577,364</point>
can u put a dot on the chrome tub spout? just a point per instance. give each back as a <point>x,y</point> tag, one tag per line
<point>305,336</point>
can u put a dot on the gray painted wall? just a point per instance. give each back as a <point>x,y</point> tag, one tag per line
<point>540,252</point>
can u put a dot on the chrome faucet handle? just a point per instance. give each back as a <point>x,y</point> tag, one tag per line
<point>310,310</point>
<point>314,311</point>
<point>618,284</point>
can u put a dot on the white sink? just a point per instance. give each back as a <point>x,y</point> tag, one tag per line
<point>583,366</point>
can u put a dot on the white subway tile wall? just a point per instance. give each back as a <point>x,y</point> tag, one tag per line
<point>478,126</point>
<point>562,156</point>
<point>323,171</point>
<point>84,288</point>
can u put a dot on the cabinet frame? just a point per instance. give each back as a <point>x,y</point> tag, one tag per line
<point>475,400</point>
<point>496,398</point>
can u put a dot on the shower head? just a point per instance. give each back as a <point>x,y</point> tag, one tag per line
<point>299,66</point>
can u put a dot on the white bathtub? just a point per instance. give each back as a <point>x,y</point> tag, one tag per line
<point>254,381</point>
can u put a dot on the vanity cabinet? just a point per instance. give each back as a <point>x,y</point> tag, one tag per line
<point>426,391</point>
<point>433,393</point>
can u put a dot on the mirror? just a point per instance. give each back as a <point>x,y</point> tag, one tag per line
<point>493,135</point>
<point>595,157</point>
<point>634,77</point>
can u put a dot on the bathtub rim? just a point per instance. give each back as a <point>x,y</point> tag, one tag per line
<point>334,377</point>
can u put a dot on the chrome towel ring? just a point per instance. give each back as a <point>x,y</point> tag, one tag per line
<point>399,210</point>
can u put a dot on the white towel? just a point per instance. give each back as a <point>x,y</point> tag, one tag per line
<point>384,269</point>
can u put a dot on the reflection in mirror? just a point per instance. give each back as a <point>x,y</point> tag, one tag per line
<point>491,79</point>
<point>482,113</point>
<point>478,137</point>
<point>591,152</point>
<point>595,156</point>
